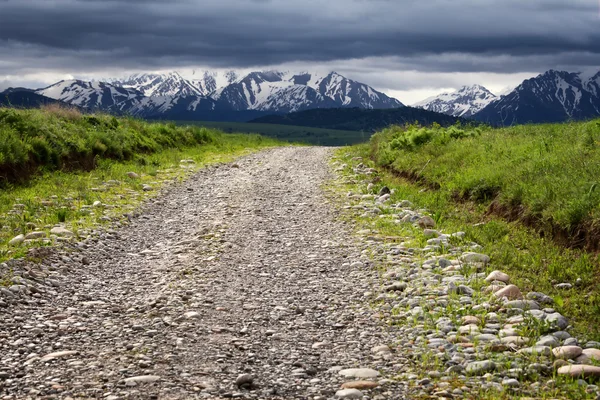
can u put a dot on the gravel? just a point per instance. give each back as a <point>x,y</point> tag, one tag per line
<point>240,282</point>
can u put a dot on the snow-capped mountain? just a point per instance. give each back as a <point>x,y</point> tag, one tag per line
<point>170,84</point>
<point>91,95</point>
<point>283,92</point>
<point>553,96</point>
<point>255,94</point>
<point>465,102</point>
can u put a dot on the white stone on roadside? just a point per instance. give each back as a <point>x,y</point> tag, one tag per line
<point>497,276</point>
<point>359,373</point>
<point>475,257</point>
<point>134,380</point>
<point>17,240</point>
<point>58,354</point>
<point>191,315</point>
<point>511,292</point>
<point>61,231</point>
<point>349,394</point>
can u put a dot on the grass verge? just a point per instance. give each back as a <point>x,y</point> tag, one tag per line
<point>534,263</point>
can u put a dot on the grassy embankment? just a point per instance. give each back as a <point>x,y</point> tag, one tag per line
<point>55,163</point>
<point>528,194</point>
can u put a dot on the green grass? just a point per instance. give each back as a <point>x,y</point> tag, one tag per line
<point>505,159</point>
<point>546,175</point>
<point>297,134</point>
<point>52,192</point>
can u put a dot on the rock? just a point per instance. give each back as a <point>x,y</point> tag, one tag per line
<point>522,304</point>
<point>383,191</point>
<point>349,394</point>
<point>563,286</point>
<point>363,373</point>
<point>540,297</point>
<point>536,351</point>
<point>244,380</point>
<point>133,175</point>
<point>470,319</point>
<point>480,367</point>
<point>97,203</point>
<point>470,257</point>
<point>58,354</point>
<point>191,315</point>
<point>35,235</point>
<point>567,352</point>
<point>146,188</point>
<point>511,292</point>
<point>361,385</point>
<point>516,340</point>
<point>396,286</point>
<point>60,231</point>
<point>592,353</point>
<point>497,276</point>
<point>549,341</point>
<point>381,349</point>
<point>513,383</point>
<point>17,240</point>
<point>559,363</point>
<point>556,319</point>
<point>426,222</point>
<point>134,380</point>
<point>576,371</point>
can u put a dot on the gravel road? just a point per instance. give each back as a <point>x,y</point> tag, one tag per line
<point>238,283</point>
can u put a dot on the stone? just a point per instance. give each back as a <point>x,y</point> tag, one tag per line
<point>536,350</point>
<point>349,394</point>
<point>549,341</point>
<point>17,240</point>
<point>35,235</point>
<point>470,319</point>
<point>383,191</point>
<point>244,380</point>
<point>363,373</point>
<point>516,340</point>
<point>360,385</point>
<point>576,371</point>
<point>146,188</point>
<point>511,292</point>
<point>480,367</point>
<point>592,353</point>
<point>426,222</point>
<point>191,315</point>
<point>381,349</point>
<point>58,354</point>
<point>513,383</point>
<point>132,175</point>
<point>470,257</point>
<point>396,286</point>
<point>567,352</point>
<point>61,231</point>
<point>97,203</point>
<point>540,297</point>
<point>134,380</point>
<point>522,304</point>
<point>497,276</point>
<point>556,319</point>
<point>563,286</point>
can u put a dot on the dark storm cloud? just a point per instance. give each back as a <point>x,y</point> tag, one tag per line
<point>435,35</point>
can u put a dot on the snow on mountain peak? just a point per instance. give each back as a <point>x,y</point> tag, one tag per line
<point>463,102</point>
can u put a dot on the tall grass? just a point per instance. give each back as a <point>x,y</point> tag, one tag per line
<point>546,174</point>
<point>54,137</point>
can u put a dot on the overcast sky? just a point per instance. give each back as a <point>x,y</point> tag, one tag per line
<point>410,49</point>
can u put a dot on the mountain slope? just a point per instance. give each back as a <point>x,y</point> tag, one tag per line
<point>358,119</point>
<point>24,98</point>
<point>554,96</point>
<point>170,84</point>
<point>464,102</point>
<point>92,95</point>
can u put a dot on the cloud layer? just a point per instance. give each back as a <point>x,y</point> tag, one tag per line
<point>448,36</point>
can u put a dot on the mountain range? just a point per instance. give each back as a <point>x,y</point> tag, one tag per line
<point>231,97</point>
<point>554,96</point>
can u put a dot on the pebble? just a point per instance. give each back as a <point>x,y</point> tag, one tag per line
<point>511,292</point>
<point>360,385</point>
<point>576,371</point>
<point>359,373</point>
<point>349,394</point>
<point>497,276</point>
